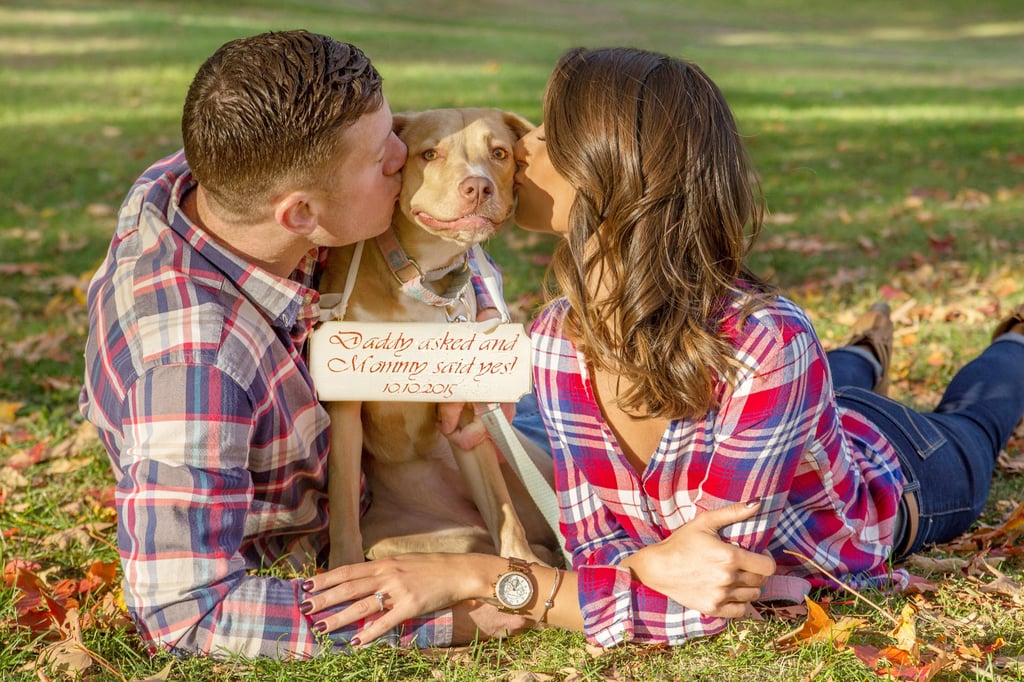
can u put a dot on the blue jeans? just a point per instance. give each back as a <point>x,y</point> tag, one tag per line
<point>528,421</point>
<point>948,455</point>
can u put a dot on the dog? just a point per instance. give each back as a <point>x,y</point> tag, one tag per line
<point>428,494</point>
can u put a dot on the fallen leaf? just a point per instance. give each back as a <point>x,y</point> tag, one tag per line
<point>1003,585</point>
<point>818,627</point>
<point>29,456</point>
<point>11,479</point>
<point>34,607</point>
<point>905,634</point>
<point>161,676</point>
<point>85,437</point>
<point>8,410</point>
<point>934,565</point>
<point>82,535</point>
<point>69,656</point>
<point>528,676</point>
<point>919,585</point>
<point>110,613</point>
<point>66,466</point>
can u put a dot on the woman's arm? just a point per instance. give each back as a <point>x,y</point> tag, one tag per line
<point>414,584</point>
<point>636,586</point>
<point>696,568</point>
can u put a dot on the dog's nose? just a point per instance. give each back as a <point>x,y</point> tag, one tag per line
<point>476,187</point>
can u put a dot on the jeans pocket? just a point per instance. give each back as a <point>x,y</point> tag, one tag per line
<point>904,427</point>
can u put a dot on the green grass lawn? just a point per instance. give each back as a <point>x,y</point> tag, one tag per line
<point>889,137</point>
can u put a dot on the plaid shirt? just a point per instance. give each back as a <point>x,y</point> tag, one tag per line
<point>829,481</point>
<point>196,380</point>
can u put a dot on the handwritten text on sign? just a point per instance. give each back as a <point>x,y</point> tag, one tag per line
<point>415,361</point>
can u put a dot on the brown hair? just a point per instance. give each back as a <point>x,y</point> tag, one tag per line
<point>666,209</point>
<point>263,115</point>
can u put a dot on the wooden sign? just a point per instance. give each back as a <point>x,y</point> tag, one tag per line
<point>422,362</point>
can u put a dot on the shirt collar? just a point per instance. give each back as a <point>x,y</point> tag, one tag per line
<point>285,301</point>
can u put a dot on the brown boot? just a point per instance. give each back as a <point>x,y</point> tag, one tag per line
<point>1014,323</point>
<point>873,331</point>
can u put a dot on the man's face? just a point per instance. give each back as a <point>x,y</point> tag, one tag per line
<point>361,194</point>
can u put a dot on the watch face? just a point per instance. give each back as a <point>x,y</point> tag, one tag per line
<point>514,590</point>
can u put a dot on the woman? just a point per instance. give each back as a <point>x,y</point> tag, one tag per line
<point>687,402</point>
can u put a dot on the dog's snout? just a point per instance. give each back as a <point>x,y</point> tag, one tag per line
<point>476,187</point>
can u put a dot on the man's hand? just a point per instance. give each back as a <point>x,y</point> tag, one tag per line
<point>477,621</point>
<point>460,423</point>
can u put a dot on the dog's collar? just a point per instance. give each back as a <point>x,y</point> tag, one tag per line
<point>414,281</point>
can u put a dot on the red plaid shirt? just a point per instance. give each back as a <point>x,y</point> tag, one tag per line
<point>195,378</point>
<point>829,481</point>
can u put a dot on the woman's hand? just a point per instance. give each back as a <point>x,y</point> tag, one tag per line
<point>410,585</point>
<point>696,568</point>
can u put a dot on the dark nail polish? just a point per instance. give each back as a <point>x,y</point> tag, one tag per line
<point>306,608</point>
<point>754,502</point>
<point>320,626</point>
<point>307,586</point>
<point>355,641</point>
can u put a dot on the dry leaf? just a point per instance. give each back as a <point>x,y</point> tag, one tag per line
<point>528,676</point>
<point>66,466</point>
<point>69,656</point>
<point>8,410</point>
<point>933,565</point>
<point>85,437</point>
<point>82,535</point>
<point>818,627</point>
<point>1003,585</point>
<point>919,585</point>
<point>905,634</point>
<point>11,479</point>
<point>161,676</point>
<point>1010,465</point>
<point>34,607</point>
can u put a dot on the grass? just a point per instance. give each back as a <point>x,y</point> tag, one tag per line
<point>888,139</point>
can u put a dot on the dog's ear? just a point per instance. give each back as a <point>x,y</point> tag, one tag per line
<point>517,124</point>
<point>401,120</point>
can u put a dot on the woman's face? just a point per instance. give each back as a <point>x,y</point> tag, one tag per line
<point>544,196</point>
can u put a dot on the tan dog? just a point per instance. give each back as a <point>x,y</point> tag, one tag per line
<point>428,494</point>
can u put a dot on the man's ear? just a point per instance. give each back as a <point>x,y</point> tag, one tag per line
<point>294,212</point>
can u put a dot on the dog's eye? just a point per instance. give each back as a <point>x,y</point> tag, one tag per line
<point>500,154</point>
<point>430,155</point>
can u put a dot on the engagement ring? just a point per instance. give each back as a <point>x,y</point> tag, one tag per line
<point>380,600</point>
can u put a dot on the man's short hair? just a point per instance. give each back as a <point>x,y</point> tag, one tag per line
<point>264,115</point>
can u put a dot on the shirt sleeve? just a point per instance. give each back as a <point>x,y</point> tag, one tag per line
<point>765,427</point>
<point>183,502</point>
<point>484,300</point>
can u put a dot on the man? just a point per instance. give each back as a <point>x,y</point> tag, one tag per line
<point>194,365</point>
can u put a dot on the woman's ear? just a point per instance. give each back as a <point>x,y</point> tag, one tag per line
<point>295,212</point>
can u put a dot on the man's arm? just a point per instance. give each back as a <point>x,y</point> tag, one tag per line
<point>185,507</point>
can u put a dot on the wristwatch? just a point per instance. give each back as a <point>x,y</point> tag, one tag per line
<point>515,587</point>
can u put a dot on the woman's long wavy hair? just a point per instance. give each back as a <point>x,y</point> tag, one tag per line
<point>667,207</point>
